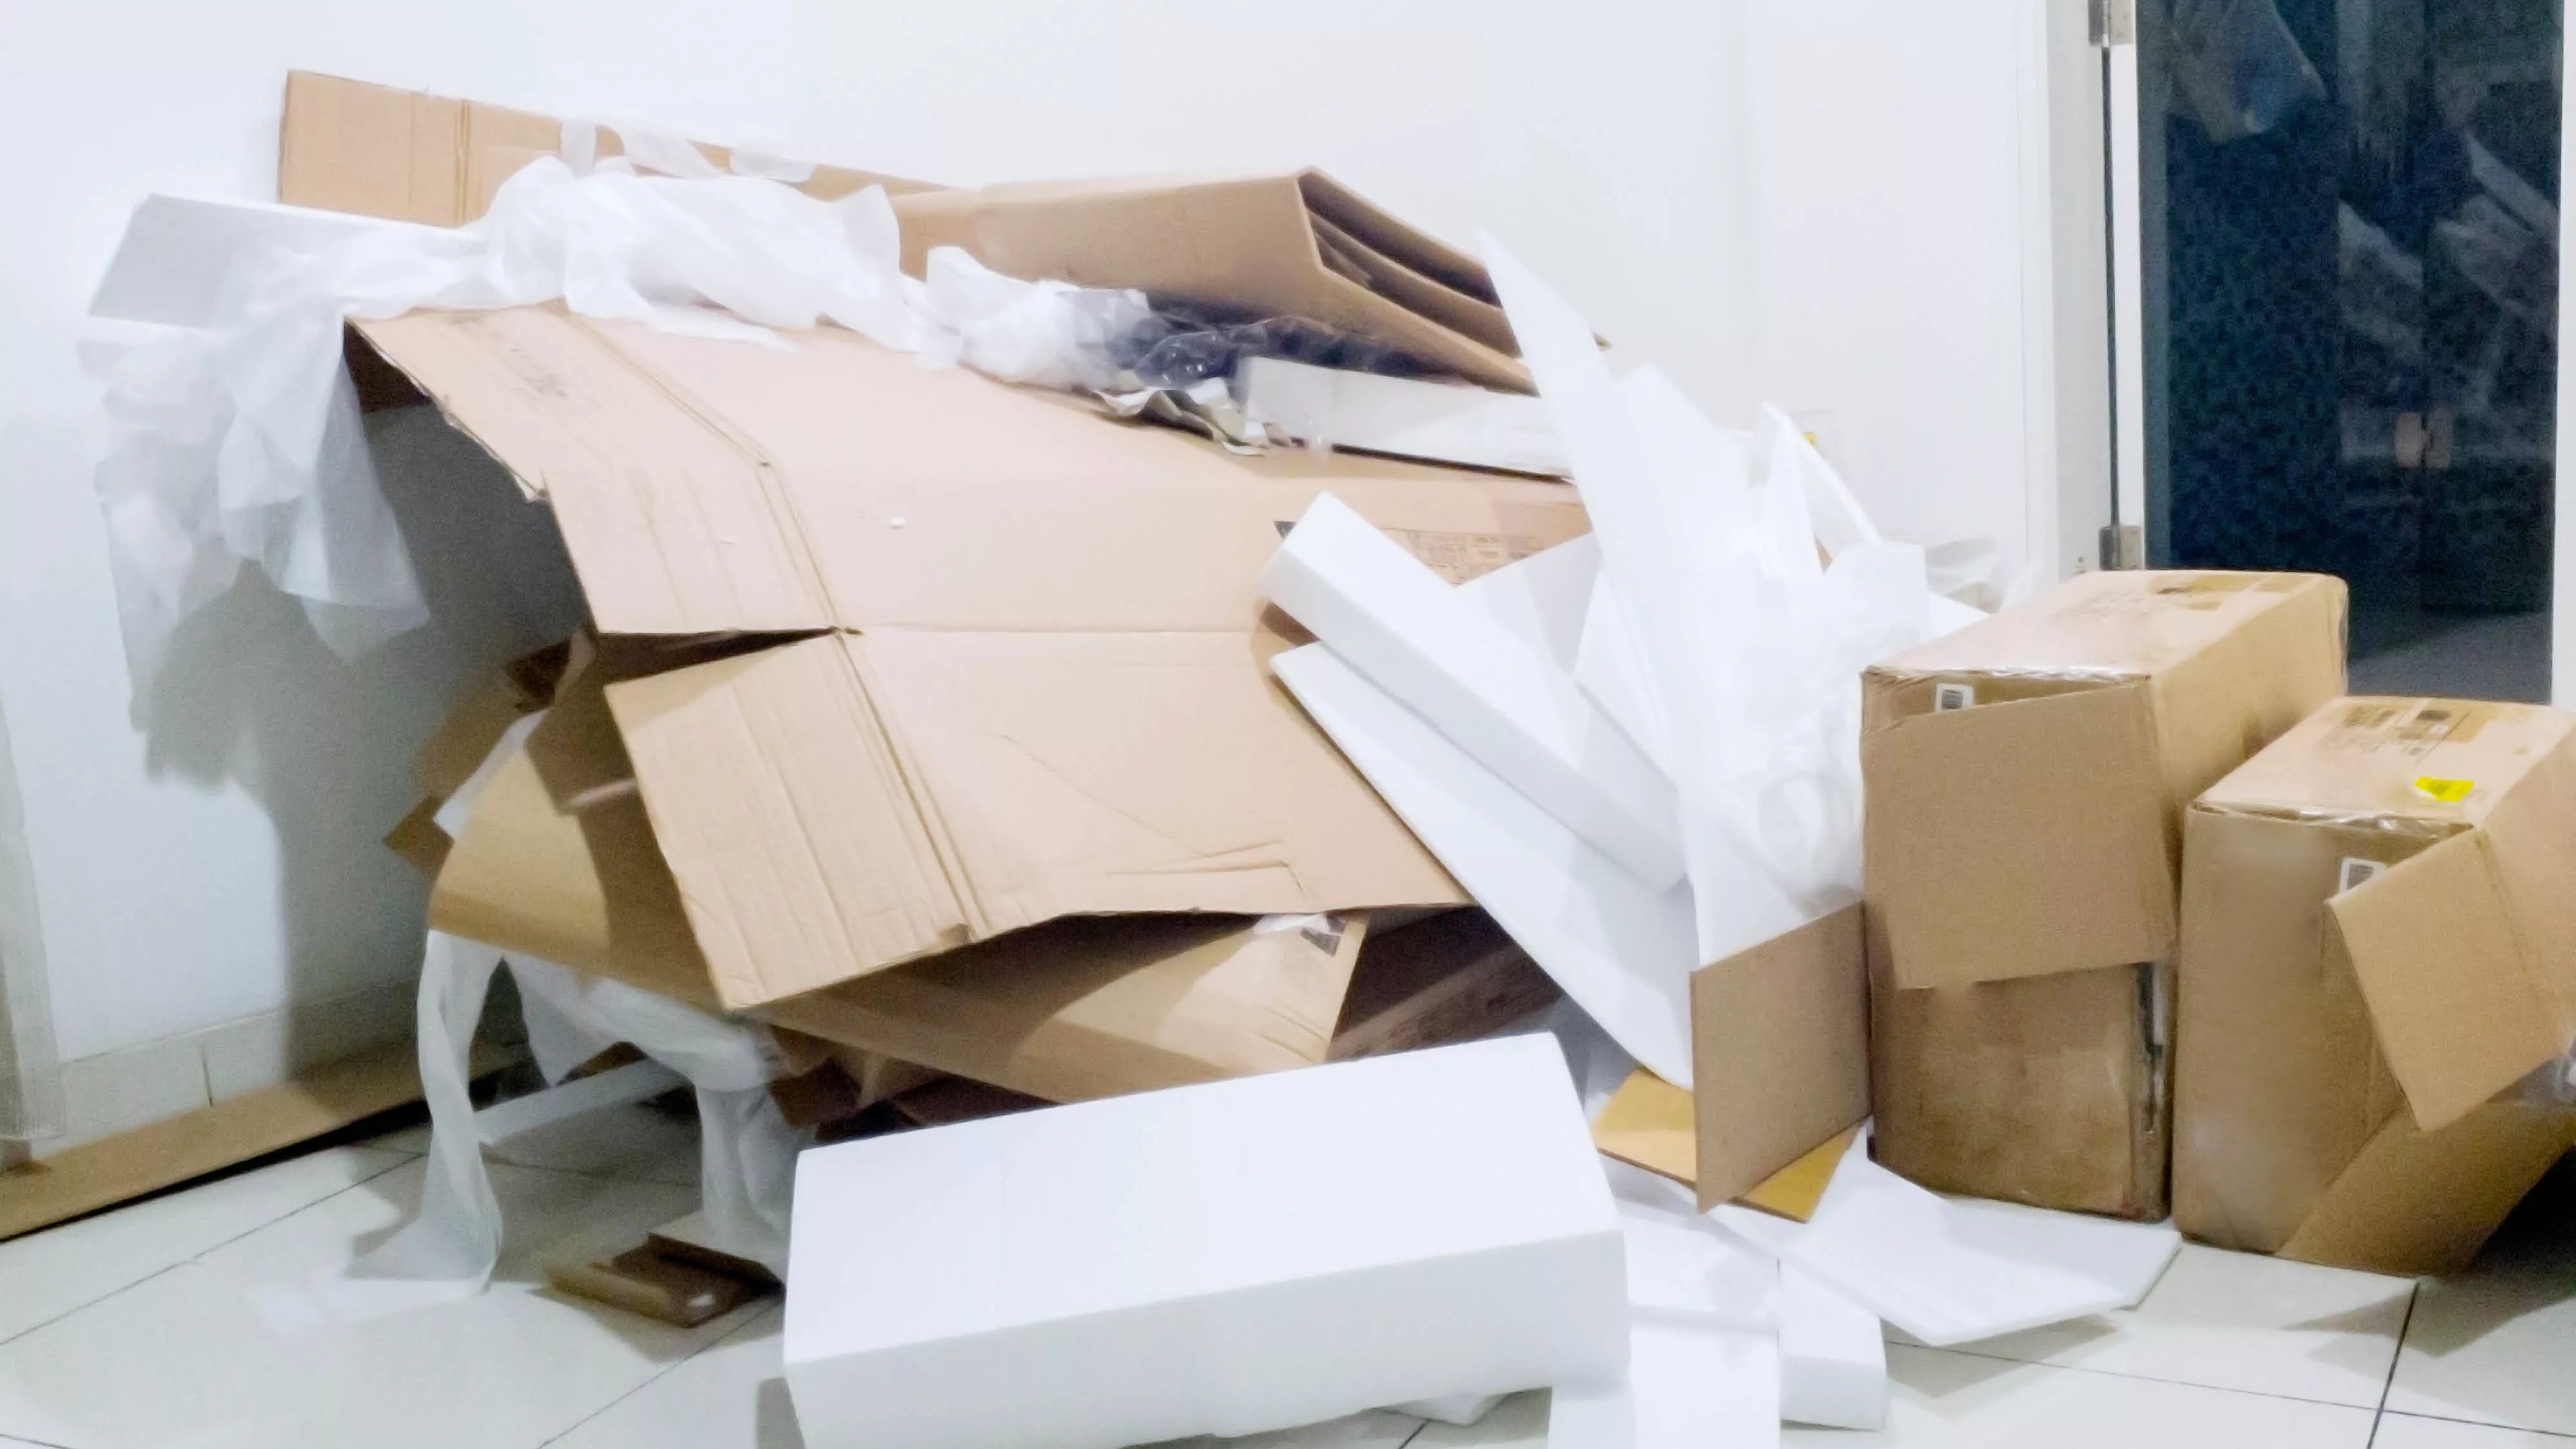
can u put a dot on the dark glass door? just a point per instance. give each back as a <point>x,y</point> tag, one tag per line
<point>2351,231</point>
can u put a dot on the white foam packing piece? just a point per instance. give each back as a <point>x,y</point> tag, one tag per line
<point>1731,654</point>
<point>1408,417</point>
<point>1226,1259</point>
<point>1951,1271</point>
<point>1833,1357</point>
<point>1622,950</point>
<point>1387,614</point>
<point>1703,1360</point>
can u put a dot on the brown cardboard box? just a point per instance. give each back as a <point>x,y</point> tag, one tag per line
<point>350,146</point>
<point>2026,775</point>
<point>2367,970</point>
<point>1286,244</point>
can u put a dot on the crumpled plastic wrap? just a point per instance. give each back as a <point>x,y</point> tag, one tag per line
<point>240,443</point>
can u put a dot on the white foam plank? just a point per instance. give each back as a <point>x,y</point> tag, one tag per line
<point>1150,1267</point>
<point>1833,1357</point>
<point>1479,683</point>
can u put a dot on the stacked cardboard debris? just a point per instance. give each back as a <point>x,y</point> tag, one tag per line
<point>947,727</point>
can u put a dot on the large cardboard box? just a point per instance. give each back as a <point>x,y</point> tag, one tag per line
<point>2379,944</point>
<point>2026,779</point>
<point>2026,776</point>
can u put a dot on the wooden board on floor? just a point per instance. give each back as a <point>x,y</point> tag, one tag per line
<point>117,1169</point>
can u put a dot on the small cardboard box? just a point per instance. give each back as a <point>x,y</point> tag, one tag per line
<point>1222,1259</point>
<point>2026,775</point>
<point>2379,943</point>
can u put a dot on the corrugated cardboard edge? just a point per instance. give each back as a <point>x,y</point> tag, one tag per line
<point>132,1164</point>
<point>1779,1052</point>
<point>347,145</point>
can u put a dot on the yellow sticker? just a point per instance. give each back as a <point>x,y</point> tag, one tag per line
<point>2449,792</point>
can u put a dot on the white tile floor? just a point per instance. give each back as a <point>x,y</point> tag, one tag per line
<point>138,1330</point>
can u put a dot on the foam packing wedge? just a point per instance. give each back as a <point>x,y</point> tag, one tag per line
<point>1222,1259</point>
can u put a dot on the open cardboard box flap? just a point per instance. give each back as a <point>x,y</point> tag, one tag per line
<point>1030,680</point>
<point>2466,953</point>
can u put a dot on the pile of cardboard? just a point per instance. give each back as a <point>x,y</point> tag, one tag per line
<point>947,729</point>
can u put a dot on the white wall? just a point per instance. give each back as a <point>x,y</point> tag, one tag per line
<point>1902,293</point>
<point>217,859</point>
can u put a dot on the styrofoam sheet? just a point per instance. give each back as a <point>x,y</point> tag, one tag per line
<point>1703,1362</point>
<point>1833,1357</point>
<point>1622,950</point>
<point>178,252</point>
<point>1948,1271</point>
<point>1405,416</point>
<point>1481,684</point>
<point>1224,1259</point>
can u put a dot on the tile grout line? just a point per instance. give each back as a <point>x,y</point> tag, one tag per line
<point>2388,1385</point>
<point>2478,1424</point>
<point>2146,1378</point>
<point>728,1336</point>
<point>200,1253</point>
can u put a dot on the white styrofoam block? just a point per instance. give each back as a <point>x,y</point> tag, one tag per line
<point>1479,683</point>
<point>1833,1357</point>
<point>1224,1259</point>
<point>1703,1361</point>
<point>1405,416</point>
<point>1459,1409</point>
<point>178,252</point>
<point>1610,666</point>
<point>1952,1271</point>
<point>1544,598</point>
<point>1622,950</point>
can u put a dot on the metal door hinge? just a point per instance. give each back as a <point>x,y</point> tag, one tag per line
<point>2124,546</point>
<point>2113,22</point>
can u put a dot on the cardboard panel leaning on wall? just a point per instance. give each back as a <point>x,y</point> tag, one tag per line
<point>350,146</point>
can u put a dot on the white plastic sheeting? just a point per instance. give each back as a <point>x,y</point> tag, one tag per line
<point>238,436</point>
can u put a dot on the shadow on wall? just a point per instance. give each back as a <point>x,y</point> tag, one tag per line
<point>250,695</point>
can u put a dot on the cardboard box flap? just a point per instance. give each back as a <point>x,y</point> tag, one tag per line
<point>673,523</point>
<point>1082,1009</point>
<point>2110,624</point>
<point>2359,759</point>
<point>1780,1052</point>
<point>2074,863</point>
<point>842,804</point>
<point>2421,1203</point>
<point>346,145</point>
<point>1290,244</point>
<point>2460,1006</point>
<point>706,486</point>
<point>587,890</point>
